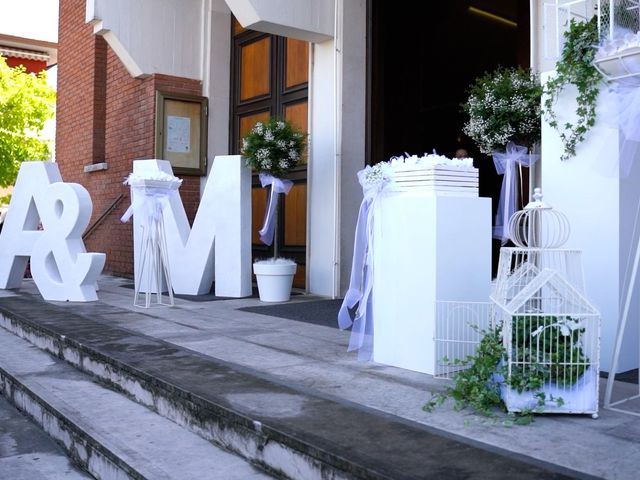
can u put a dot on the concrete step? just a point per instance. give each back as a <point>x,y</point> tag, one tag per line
<point>294,432</point>
<point>28,453</point>
<point>104,432</point>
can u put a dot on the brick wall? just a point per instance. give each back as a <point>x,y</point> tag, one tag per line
<point>105,115</point>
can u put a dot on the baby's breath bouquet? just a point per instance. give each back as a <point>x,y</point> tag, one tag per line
<point>503,107</point>
<point>273,147</point>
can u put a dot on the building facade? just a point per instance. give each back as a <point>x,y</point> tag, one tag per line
<point>368,79</point>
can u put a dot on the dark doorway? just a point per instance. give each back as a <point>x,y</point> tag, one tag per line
<point>423,56</point>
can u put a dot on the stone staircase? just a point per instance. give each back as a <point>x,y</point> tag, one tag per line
<point>126,405</point>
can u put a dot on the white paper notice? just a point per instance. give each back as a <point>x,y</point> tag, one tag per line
<point>178,134</point>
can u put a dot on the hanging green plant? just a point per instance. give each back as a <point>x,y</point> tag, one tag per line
<point>575,67</point>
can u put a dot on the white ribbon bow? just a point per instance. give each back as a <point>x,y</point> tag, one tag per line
<point>150,203</point>
<point>506,164</point>
<point>361,281</point>
<point>278,185</point>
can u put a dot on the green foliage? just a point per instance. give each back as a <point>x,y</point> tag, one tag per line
<point>26,103</point>
<point>273,147</point>
<point>575,67</point>
<point>476,386</point>
<point>504,106</point>
<point>547,350</point>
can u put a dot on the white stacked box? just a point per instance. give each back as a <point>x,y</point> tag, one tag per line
<point>438,179</point>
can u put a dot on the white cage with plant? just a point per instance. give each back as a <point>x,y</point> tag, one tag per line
<point>536,346</point>
<point>550,331</point>
<point>550,334</point>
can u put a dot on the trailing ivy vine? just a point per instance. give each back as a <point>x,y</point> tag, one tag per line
<point>575,67</point>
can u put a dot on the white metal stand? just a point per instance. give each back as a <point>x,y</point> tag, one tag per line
<point>154,264</point>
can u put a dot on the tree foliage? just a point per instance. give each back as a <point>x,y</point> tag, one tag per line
<point>26,103</point>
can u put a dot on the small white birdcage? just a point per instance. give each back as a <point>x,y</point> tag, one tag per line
<point>538,232</point>
<point>617,18</point>
<point>551,333</point>
<point>557,16</point>
<point>618,24</point>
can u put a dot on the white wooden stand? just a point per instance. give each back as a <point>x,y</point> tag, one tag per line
<point>427,249</point>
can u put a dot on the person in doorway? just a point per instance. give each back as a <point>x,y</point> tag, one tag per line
<point>461,153</point>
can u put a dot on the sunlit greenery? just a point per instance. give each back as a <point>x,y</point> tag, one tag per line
<point>26,103</point>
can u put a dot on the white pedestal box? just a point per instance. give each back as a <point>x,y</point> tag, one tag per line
<point>602,205</point>
<point>427,248</point>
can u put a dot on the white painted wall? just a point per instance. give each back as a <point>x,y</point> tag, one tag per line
<point>216,65</point>
<point>337,126</point>
<point>601,208</point>
<point>310,20</point>
<point>152,36</point>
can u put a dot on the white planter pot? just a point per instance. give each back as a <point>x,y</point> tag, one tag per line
<point>274,280</point>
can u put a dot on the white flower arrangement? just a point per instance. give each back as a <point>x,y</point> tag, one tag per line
<point>413,162</point>
<point>157,179</point>
<point>504,106</point>
<point>273,147</point>
<point>377,176</point>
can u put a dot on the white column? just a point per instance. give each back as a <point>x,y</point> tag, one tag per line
<point>601,208</point>
<point>337,122</point>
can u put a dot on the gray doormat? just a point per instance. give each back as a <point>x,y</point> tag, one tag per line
<point>317,312</point>
<point>630,376</point>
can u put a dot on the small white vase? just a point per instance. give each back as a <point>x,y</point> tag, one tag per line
<point>275,279</point>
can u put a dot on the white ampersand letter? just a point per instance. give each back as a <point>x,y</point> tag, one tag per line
<point>60,266</point>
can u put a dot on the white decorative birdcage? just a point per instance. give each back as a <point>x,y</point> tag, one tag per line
<point>551,332</point>
<point>557,16</point>
<point>618,24</point>
<point>538,232</point>
<point>551,337</point>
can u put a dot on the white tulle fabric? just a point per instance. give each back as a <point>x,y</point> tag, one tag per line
<point>373,181</point>
<point>580,397</point>
<point>278,186</point>
<point>620,109</point>
<point>505,163</point>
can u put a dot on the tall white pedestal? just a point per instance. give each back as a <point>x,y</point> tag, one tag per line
<point>601,205</point>
<point>427,249</point>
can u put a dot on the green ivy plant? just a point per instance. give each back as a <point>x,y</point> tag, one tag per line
<point>476,385</point>
<point>575,67</point>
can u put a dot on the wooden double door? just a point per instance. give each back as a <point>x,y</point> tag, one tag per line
<point>270,77</point>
